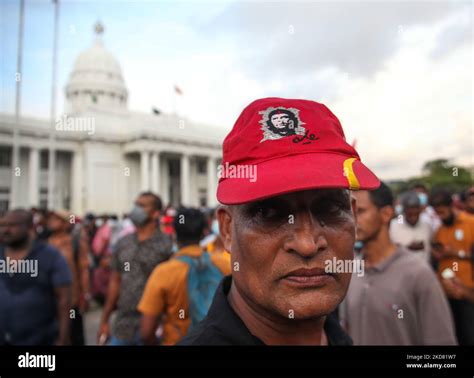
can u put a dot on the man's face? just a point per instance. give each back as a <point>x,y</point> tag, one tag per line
<point>55,223</point>
<point>14,230</point>
<point>147,202</point>
<point>282,123</point>
<point>273,238</point>
<point>470,203</point>
<point>412,214</point>
<point>369,219</point>
<point>445,213</point>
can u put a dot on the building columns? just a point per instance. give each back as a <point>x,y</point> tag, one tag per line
<point>185,180</point>
<point>77,182</point>
<point>211,181</point>
<point>164,181</point>
<point>145,170</point>
<point>33,183</point>
<point>155,172</point>
<point>192,183</point>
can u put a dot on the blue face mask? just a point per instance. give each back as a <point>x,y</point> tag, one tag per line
<point>398,209</point>
<point>358,245</point>
<point>423,199</point>
<point>215,227</point>
<point>138,216</point>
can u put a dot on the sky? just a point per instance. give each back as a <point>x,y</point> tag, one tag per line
<point>398,74</point>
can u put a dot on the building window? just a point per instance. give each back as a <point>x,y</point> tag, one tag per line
<point>202,197</point>
<point>202,167</point>
<point>3,206</point>
<point>174,168</point>
<point>43,204</point>
<point>44,159</point>
<point>5,156</point>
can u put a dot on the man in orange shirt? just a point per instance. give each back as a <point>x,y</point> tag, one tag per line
<point>453,249</point>
<point>166,299</point>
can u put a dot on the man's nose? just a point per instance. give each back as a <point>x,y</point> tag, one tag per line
<point>307,237</point>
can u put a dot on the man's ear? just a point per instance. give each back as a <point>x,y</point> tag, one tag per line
<point>386,214</point>
<point>224,217</point>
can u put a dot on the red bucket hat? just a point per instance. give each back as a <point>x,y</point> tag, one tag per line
<point>279,146</point>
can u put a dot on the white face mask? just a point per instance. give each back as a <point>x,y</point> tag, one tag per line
<point>215,227</point>
<point>398,209</point>
<point>36,218</point>
<point>423,198</point>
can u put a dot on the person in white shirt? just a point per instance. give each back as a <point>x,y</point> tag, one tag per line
<point>428,215</point>
<point>409,230</point>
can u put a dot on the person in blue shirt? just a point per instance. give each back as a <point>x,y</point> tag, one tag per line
<point>35,285</point>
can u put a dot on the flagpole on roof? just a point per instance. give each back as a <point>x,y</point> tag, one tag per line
<point>52,152</point>
<point>16,127</point>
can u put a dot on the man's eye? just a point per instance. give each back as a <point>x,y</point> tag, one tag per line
<point>266,212</point>
<point>336,207</point>
<point>330,208</point>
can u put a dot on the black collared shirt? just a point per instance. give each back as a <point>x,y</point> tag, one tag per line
<point>222,326</point>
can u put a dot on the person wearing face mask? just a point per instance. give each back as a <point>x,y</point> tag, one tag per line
<point>134,258</point>
<point>428,215</point>
<point>453,248</point>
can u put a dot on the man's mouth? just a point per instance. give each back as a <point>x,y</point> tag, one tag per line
<point>304,277</point>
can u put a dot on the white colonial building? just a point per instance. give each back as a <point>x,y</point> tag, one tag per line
<point>106,154</point>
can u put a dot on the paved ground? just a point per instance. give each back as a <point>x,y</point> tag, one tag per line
<point>91,324</point>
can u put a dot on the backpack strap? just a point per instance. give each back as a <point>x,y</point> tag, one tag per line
<point>203,260</point>
<point>186,259</point>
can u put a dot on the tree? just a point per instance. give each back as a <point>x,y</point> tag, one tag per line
<point>439,173</point>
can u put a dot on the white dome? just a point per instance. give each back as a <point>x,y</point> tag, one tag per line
<point>96,79</point>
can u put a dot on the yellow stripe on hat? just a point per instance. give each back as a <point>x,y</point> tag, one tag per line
<point>349,173</point>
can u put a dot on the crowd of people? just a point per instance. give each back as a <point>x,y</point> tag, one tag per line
<point>108,260</point>
<point>418,284</point>
<point>251,271</point>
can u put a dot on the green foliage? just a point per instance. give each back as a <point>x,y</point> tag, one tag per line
<point>438,173</point>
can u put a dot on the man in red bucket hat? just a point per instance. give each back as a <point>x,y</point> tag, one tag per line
<point>284,186</point>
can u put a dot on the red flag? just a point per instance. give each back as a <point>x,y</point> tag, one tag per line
<point>178,90</point>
